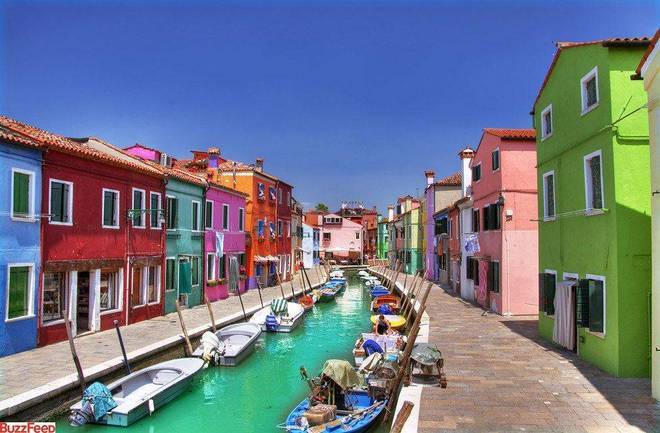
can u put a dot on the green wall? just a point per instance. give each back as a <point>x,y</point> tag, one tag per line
<point>183,241</point>
<point>383,245</point>
<point>615,244</point>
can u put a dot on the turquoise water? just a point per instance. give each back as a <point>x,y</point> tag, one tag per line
<point>259,394</point>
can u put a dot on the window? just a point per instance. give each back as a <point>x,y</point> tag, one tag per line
<point>327,236</point>
<point>54,296</point>
<point>357,235</point>
<point>495,159</point>
<point>138,207</point>
<point>288,229</point>
<point>155,213</point>
<point>109,289</point>
<point>288,198</point>
<point>494,276</point>
<point>152,284</point>
<point>221,268</point>
<point>549,195</point>
<point>476,173</point>
<point>241,219</point>
<point>591,300</point>
<point>170,269</point>
<point>472,270</point>
<point>172,213</point>
<point>22,199</point>
<point>280,228</point>
<point>261,191</point>
<point>547,289</point>
<point>210,266</point>
<point>279,195</point>
<point>272,195</point>
<point>194,270</point>
<point>208,217</point>
<point>272,230</point>
<point>546,122</point>
<point>110,209</point>
<point>492,217</point>
<point>260,228</point>
<point>475,220</point>
<point>589,90</point>
<point>195,216</point>
<point>593,181</point>
<point>19,291</point>
<point>61,202</point>
<point>225,217</point>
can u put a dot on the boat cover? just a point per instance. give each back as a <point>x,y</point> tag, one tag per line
<point>370,346</point>
<point>342,373</point>
<point>279,306</point>
<point>426,354</point>
<point>101,399</point>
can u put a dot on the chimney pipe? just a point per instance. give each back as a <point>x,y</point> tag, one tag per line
<point>430,177</point>
<point>390,213</point>
<point>259,164</point>
<point>213,153</point>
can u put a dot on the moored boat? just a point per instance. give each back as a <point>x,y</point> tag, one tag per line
<point>230,345</point>
<point>379,291</point>
<point>280,316</point>
<point>392,301</point>
<point>395,320</point>
<point>136,395</point>
<point>369,343</point>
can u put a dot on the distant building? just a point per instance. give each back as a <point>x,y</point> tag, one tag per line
<point>341,239</point>
<point>383,244</point>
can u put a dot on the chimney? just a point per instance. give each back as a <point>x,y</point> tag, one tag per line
<point>390,213</point>
<point>430,174</point>
<point>466,156</point>
<point>259,165</point>
<point>213,153</point>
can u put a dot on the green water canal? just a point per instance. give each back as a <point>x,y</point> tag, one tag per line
<point>259,394</point>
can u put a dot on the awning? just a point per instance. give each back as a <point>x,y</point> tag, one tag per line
<point>272,259</point>
<point>82,265</point>
<point>260,259</point>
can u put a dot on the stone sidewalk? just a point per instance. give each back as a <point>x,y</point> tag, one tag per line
<point>504,378</point>
<point>43,371</point>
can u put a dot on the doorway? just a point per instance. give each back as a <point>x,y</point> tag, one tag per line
<point>82,309</point>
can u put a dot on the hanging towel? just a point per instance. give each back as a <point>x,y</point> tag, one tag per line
<point>219,243</point>
<point>185,277</point>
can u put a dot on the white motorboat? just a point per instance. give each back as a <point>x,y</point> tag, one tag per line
<point>280,316</point>
<point>230,345</point>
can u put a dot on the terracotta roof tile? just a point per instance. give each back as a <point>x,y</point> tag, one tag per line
<point>648,52</point>
<point>611,42</point>
<point>12,137</point>
<point>512,134</point>
<point>452,180</point>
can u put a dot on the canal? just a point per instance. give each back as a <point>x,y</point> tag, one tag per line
<point>259,394</point>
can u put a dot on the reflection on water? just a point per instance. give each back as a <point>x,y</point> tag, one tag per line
<point>259,393</point>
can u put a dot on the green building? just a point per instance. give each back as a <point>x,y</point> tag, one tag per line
<point>406,234</point>
<point>383,244</point>
<point>594,205</point>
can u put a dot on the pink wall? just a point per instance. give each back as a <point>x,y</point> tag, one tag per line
<point>234,240</point>
<point>343,238</point>
<point>515,246</point>
<point>144,153</point>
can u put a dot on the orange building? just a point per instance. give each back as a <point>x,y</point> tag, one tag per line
<point>265,250</point>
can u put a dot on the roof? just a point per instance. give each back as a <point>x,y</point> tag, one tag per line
<point>612,42</point>
<point>224,168</point>
<point>10,136</point>
<point>512,134</point>
<point>93,149</point>
<point>647,53</point>
<point>451,180</point>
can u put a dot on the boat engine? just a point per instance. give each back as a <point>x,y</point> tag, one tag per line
<point>213,347</point>
<point>272,323</point>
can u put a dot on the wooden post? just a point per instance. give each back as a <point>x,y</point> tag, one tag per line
<point>412,296</point>
<point>402,417</point>
<point>208,306</point>
<point>188,346</point>
<point>259,290</point>
<point>406,294</point>
<point>279,281</point>
<point>309,283</point>
<point>74,355</point>
<point>409,294</point>
<point>318,276</point>
<point>396,278</point>
<point>406,353</point>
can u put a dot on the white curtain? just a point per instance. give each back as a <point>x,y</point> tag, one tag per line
<point>563,332</point>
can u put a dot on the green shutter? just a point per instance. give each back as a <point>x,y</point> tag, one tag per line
<point>109,208</point>
<point>195,271</point>
<point>596,306</point>
<point>541,292</point>
<point>18,292</point>
<point>154,214</point>
<point>582,304</point>
<point>56,202</point>
<point>550,289</point>
<point>21,194</point>
<point>169,274</point>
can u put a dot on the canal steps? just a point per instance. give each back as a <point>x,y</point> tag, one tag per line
<point>39,383</point>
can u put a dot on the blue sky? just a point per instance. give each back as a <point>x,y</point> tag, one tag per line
<point>346,100</point>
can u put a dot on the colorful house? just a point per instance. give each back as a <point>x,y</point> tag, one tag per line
<point>594,188</point>
<point>383,238</point>
<point>224,237</point>
<point>409,227</point>
<point>183,201</point>
<point>367,218</point>
<point>454,250</point>
<point>504,198</point>
<point>316,245</point>
<point>307,246</point>
<point>440,266</point>
<point>341,239</point>
<point>20,219</point>
<point>283,243</point>
<point>296,234</point>
<point>648,71</point>
<point>467,226</point>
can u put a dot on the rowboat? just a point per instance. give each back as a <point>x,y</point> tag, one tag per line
<point>328,293</point>
<point>136,395</point>
<point>392,301</point>
<point>379,291</point>
<point>280,316</point>
<point>388,345</point>
<point>307,302</point>
<point>230,345</point>
<point>396,321</point>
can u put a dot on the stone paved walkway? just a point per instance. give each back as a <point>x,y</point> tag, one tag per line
<point>27,371</point>
<point>504,378</point>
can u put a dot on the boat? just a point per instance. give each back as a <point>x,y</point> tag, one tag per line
<point>363,273</point>
<point>136,395</point>
<point>373,282</point>
<point>338,402</point>
<point>337,274</point>
<point>336,280</point>
<point>393,301</point>
<point>279,316</point>
<point>379,291</point>
<point>307,302</point>
<point>395,320</point>
<point>328,293</point>
<point>389,346</point>
<point>230,345</point>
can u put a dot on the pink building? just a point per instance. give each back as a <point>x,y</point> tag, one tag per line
<point>505,270</point>
<point>224,211</point>
<point>341,239</point>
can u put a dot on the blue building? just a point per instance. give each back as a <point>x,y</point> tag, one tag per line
<point>316,246</point>
<point>20,254</point>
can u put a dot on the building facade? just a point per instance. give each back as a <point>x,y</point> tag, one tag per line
<point>383,238</point>
<point>594,183</point>
<point>283,243</point>
<point>307,246</point>
<point>341,239</point>
<point>467,238</point>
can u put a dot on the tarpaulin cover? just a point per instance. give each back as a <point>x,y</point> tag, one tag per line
<point>342,373</point>
<point>101,399</point>
<point>426,354</point>
<point>279,306</point>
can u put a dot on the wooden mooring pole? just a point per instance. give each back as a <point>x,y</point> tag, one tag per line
<point>188,346</point>
<point>402,417</point>
<point>208,306</point>
<point>74,355</point>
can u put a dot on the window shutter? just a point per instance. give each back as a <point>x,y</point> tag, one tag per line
<point>596,306</point>
<point>550,289</point>
<point>468,268</point>
<point>582,304</point>
<point>65,202</point>
<point>108,208</point>
<point>541,292</point>
<point>484,213</point>
<point>491,275</point>
<point>21,194</point>
<point>18,290</point>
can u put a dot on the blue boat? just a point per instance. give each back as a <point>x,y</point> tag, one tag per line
<point>363,415</point>
<point>379,291</point>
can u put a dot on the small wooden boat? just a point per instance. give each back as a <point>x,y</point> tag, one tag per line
<point>392,301</point>
<point>396,321</point>
<point>389,346</point>
<point>136,395</point>
<point>230,345</point>
<point>327,294</point>
<point>280,316</point>
<point>307,302</point>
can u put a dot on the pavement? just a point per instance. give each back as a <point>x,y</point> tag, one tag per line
<point>28,377</point>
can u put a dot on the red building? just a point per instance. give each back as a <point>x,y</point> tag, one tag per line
<point>98,264</point>
<point>284,208</point>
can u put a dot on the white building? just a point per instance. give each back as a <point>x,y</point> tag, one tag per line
<point>465,221</point>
